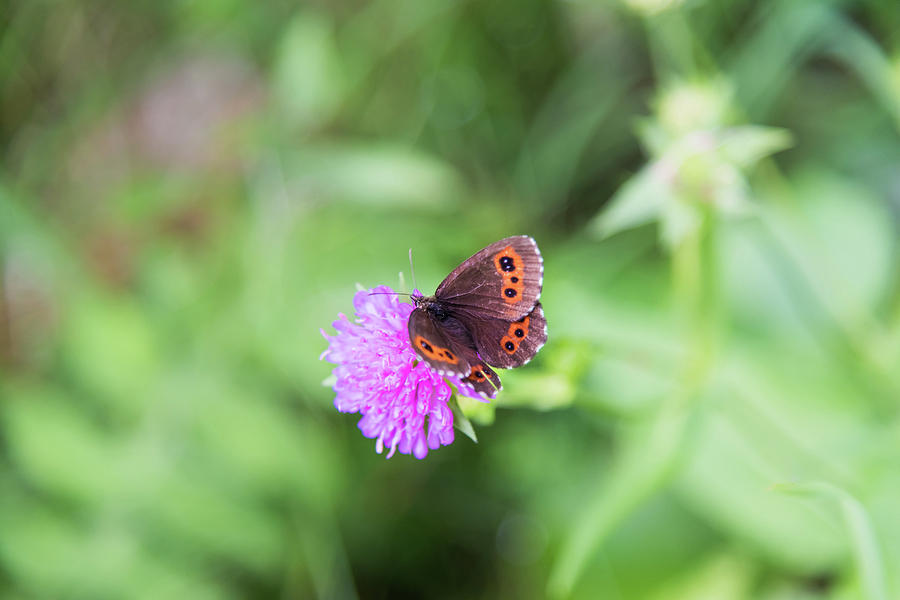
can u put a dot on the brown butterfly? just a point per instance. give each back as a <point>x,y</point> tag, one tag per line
<point>485,312</point>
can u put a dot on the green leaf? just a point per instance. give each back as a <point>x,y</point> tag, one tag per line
<point>192,509</point>
<point>540,390</point>
<point>640,201</point>
<point>841,236</point>
<point>478,411</point>
<point>722,481</point>
<point>646,461</point>
<point>111,348</point>
<point>747,145</point>
<point>864,544</point>
<point>461,422</point>
<point>720,577</point>
<point>308,76</point>
<point>82,464</point>
<point>375,174</point>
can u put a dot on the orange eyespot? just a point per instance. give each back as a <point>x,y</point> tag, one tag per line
<point>434,352</point>
<point>517,332</point>
<point>508,263</point>
<point>511,268</point>
<point>477,374</point>
<point>512,292</point>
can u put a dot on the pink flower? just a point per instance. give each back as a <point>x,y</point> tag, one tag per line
<point>379,376</point>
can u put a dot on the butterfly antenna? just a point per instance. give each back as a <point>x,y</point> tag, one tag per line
<point>389,294</point>
<point>412,271</point>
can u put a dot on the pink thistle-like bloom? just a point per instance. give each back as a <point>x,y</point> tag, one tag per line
<point>379,376</point>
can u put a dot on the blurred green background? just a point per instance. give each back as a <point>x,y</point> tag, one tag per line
<point>189,190</point>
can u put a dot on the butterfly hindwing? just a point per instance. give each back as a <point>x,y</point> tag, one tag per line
<point>501,281</point>
<point>509,344</point>
<point>483,380</point>
<point>443,354</point>
<point>481,377</point>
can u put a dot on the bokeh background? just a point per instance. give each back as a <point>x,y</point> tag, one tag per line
<point>190,190</point>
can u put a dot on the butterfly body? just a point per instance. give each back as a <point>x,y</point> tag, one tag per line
<point>486,312</point>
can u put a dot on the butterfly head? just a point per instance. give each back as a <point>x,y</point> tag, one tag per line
<point>431,305</point>
<point>423,302</point>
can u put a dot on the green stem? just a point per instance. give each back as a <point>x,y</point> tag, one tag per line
<point>670,39</point>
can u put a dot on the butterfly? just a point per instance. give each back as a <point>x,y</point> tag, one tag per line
<point>486,312</point>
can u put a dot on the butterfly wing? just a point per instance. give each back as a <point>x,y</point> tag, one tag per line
<point>509,344</point>
<point>483,380</point>
<point>448,349</point>
<point>501,281</point>
<point>443,355</point>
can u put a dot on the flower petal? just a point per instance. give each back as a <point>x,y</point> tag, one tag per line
<point>379,376</point>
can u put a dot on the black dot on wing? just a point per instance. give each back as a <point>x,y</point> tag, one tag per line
<point>510,293</point>
<point>514,279</point>
<point>427,347</point>
<point>509,346</point>
<point>519,333</point>
<point>448,354</point>
<point>507,263</point>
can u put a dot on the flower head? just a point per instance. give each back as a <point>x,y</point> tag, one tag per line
<point>379,376</point>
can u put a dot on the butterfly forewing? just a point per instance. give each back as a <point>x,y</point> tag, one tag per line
<point>448,349</point>
<point>500,281</point>
<point>433,345</point>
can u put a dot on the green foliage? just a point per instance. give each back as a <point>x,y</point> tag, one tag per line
<point>190,191</point>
